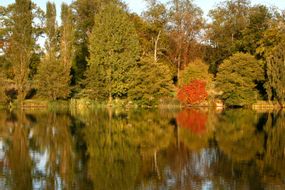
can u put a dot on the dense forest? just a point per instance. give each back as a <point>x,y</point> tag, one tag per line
<point>102,52</point>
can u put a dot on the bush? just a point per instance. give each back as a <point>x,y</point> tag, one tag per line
<point>238,77</point>
<point>194,93</point>
<point>152,81</point>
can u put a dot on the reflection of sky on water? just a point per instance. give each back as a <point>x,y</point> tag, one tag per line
<point>40,160</point>
<point>41,171</point>
<point>2,150</point>
<point>3,179</point>
<point>207,185</point>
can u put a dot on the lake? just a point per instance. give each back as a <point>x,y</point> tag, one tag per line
<point>142,149</point>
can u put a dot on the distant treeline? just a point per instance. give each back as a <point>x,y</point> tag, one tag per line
<point>103,52</point>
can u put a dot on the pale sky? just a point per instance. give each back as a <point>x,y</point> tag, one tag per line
<point>139,5</point>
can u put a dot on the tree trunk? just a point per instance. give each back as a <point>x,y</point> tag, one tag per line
<point>156,46</point>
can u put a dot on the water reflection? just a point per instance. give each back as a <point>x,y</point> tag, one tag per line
<point>142,149</point>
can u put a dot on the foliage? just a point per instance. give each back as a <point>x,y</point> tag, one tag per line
<point>102,51</point>
<point>195,70</point>
<point>272,48</point>
<point>229,19</point>
<point>152,81</point>
<point>21,45</point>
<point>275,70</point>
<point>237,79</point>
<point>84,12</point>
<point>185,24</point>
<point>51,80</point>
<point>114,51</point>
<point>259,18</point>
<point>66,47</point>
<point>194,93</point>
<point>53,73</point>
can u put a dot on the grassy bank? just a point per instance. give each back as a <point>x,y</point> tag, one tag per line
<point>265,105</point>
<point>84,104</point>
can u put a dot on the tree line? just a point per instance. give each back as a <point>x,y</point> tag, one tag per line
<point>103,52</point>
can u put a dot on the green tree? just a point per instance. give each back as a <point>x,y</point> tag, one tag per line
<point>21,46</point>
<point>53,75</point>
<point>153,81</point>
<point>272,48</point>
<point>156,17</point>
<point>275,70</point>
<point>195,70</point>
<point>237,79</point>
<point>229,19</point>
<point>259,18</point>
<point>84,20</point>
<point>66,45</point>
<point>84,13</point>
<point>114,51</point>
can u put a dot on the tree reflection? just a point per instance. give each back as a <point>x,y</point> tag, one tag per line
<point>52,140</point>
<point>273,165</point>
<point>16,161</point>
<point>254,146</point>
<point>142,149</point>
<point>195,120</point>
<point>37,151</point>
<point>237,135</point>
<point>118,143</point>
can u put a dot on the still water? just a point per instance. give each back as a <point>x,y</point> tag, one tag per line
<point>142,150</point>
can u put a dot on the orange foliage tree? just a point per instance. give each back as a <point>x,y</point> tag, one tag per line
<point>193,93</point>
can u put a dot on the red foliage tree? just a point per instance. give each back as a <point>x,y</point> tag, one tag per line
<point>194,120</point>
<point>194,93</point>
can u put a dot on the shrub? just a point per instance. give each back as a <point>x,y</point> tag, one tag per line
<point>238,77</point>
<point>194,93</point>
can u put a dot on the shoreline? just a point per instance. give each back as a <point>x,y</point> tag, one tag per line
<point>91,104</point>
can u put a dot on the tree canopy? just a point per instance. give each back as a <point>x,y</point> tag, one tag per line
<point>237,78</point>
<point>102,51</point>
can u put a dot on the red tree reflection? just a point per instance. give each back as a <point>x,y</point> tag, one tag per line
<point>194,120</point>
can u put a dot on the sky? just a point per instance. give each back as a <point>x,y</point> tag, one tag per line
<point>139,5</point>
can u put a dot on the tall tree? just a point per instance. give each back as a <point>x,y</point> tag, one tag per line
<point>275,70</point>
<point>258,22</point>
<point>53,75</point>
<point>84,20</point>
<point>272,49</point>
<point>84,13</point>
<point>186,23</point>
<point>114,51</point>
<point>66,44</point>
<point>156,17</point>
<point>229,19</point>
<point>21,46</point>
